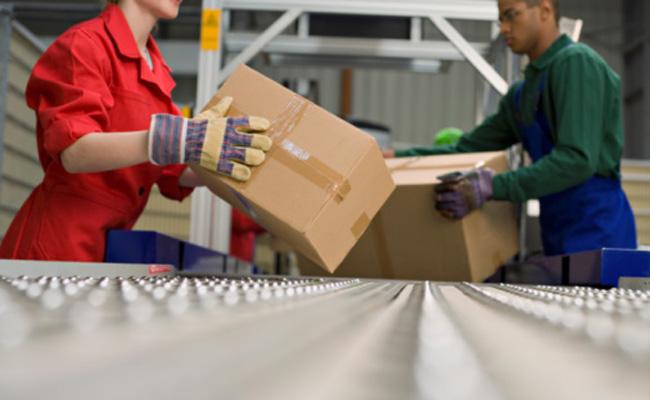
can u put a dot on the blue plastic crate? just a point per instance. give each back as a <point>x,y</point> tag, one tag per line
<point>148,247</point>
<point>201,260</point>
<point>602,267</point>
<point>142,247</point>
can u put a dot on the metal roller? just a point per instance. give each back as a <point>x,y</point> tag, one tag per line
<point>212,337</point>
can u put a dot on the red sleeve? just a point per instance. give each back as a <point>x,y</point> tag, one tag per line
<point>241,223</point>
<point>69,91</point>
<point>168,183</point>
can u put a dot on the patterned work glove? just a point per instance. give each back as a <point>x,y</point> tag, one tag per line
<point>459,193</point>
<point>211,140</point>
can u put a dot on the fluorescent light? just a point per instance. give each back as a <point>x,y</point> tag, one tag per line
<point>425,66</point>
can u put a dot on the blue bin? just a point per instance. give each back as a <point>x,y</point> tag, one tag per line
<point>201,260</point>
<point>142,247</point>
<point>606,266</point>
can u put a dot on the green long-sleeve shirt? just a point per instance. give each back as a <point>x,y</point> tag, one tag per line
<point>582,102</point>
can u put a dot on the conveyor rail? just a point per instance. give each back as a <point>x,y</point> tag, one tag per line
<point>271,337</point>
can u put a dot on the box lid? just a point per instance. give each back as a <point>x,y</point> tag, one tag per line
<point>425,170</point>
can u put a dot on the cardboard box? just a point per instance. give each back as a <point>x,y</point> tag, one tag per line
<point>409,239</point>
<point>323,180</point>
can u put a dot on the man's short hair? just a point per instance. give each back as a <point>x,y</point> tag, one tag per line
<point>556,6</point>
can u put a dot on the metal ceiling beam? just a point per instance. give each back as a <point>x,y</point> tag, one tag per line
<point>476,59</point>
<point>391,48</point>
<point>481,10</point>
<point>182,55</point>
<point>402,64</point>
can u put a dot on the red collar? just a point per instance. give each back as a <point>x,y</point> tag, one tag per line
<point>119,29</point>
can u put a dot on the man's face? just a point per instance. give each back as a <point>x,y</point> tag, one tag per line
<point>520,25</point>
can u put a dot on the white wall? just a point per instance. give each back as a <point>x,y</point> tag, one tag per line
<point>21,171</point>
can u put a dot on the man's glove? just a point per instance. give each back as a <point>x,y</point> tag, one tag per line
<point>211,140</point>
<point>459,193</point>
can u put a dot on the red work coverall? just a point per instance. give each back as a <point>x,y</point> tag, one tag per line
<point>242,235</point>
<point>91,79</point>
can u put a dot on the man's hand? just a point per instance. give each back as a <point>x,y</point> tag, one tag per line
<point>460,193</point>
<point>217,143</point>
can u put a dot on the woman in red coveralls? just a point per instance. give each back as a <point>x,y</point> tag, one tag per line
<point>107,130</point>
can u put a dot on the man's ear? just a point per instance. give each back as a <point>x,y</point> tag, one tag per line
<point>546,10</point>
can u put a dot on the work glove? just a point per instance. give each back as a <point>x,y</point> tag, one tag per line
<point>447,136</point>
<point>459,193</point>
<point>217,143</point>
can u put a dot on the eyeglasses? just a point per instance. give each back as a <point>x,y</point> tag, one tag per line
<point>511,14</point>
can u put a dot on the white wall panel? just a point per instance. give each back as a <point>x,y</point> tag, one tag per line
<point>21,170</point>
<point>415,105</point>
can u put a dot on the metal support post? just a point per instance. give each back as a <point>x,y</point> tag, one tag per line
<point>303,34</point>
<point>470,53</point>
<point>303,26</point>
<point>416,29</point>
<point>210,220</point>
<point>258,44</point>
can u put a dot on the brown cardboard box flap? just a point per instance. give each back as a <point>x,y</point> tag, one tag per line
<point>425,170</point>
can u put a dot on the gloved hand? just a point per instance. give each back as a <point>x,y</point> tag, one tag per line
<point>460,193</point>
<point>211,140</point>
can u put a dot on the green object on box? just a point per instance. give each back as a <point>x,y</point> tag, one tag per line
<point>447,136</point>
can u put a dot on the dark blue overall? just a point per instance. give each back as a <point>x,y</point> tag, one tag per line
<point>591,215</point>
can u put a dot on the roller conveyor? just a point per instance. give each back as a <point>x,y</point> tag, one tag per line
<point>310,338</point>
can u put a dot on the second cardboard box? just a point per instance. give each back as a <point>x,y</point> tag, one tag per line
<point>409,239</point>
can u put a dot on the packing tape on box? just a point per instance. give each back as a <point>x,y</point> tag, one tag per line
<point>360,225</point>
<point>296,158</point>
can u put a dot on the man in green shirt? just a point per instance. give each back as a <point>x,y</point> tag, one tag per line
<point>567,114</point>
